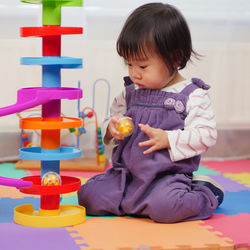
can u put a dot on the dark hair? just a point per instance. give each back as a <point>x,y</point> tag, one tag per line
<point>160,28</point>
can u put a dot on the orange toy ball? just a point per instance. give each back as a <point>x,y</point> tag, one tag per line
<point>125,127</point>
<point>51,179</point>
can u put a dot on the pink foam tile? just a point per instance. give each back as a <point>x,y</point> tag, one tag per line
<point>236,227</point>
<point>79,173</point>
<point>35,172</point>
<point>239,166</point>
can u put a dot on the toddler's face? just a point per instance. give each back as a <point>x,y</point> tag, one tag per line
<point>150,73</point>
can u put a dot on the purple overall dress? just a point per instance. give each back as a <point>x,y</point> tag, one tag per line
<point>150,185</point>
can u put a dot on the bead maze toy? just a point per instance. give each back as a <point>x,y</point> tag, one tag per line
<point>50,153</point>
<point>85,163</point>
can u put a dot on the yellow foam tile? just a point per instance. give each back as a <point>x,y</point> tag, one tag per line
<point>243,178</point>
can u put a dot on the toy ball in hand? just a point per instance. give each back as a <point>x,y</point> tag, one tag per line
<point>125,127</point>
<point>51,179</point>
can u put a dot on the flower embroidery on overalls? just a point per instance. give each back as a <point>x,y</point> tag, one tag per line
<point>171,103</point>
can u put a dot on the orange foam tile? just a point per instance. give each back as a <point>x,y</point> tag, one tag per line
<point>129,233</point>
<point>11,192</point>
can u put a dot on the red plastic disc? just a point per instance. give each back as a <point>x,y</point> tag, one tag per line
<point>50,30</point>
<point>69,184</point>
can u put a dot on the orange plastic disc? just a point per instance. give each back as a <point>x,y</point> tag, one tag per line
<point>42,123</point>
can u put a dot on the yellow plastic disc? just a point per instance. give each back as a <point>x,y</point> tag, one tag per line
<point>68,215</point>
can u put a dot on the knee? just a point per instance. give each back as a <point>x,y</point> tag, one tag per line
<point>83,197</point>
<point>171,210</point>
<point>99,201</point>
<point>88,200</point>
<point>165,213</point>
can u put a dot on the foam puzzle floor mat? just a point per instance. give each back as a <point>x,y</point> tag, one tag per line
<point>228,228</point>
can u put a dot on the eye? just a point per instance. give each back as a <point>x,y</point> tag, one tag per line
<point>128,64</point>
<point>143,67</point>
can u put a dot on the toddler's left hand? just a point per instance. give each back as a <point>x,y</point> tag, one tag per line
<point>158,138</point>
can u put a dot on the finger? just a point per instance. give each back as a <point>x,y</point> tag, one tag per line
<point>114,131</point>
<point>118,136</point>
<point>149,150</point>
<point>141,125</point>
<point>146,143</point>
<point>147,130</point>
<point>127,117</point>
<point>116,121</point>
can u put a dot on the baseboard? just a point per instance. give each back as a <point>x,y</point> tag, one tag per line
<point>9,145</point>
<point>231,144</point>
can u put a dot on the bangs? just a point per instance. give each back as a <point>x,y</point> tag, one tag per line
<point>136,39</point>
<point>135,49</point>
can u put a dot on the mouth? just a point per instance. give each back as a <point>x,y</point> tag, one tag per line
<point>140,86</point>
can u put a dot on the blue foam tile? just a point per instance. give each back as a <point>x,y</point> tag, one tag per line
<point>7,206</point>
<point>235,203</point>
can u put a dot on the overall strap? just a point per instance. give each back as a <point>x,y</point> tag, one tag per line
<point>196,83</point>
<point>130,87</point>
<point>127,81</point>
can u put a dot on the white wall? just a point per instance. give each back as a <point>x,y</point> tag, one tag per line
<point>220,30</point>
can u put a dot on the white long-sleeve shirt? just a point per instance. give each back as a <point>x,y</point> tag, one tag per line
<point>199,132</point>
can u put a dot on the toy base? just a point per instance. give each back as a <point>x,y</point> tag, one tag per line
<point>77,164</point>
<point>68,215</point>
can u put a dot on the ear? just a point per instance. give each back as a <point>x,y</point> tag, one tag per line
<point>176,58</point>
<point>176,65</point>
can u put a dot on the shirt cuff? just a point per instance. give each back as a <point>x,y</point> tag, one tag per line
<point>173,152</point>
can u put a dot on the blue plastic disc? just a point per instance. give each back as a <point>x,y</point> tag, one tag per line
<point>62,61</point>
<point>37,153</point>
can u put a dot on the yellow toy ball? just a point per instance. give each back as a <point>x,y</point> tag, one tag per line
<point>125,127</point>
<point>51,179</point>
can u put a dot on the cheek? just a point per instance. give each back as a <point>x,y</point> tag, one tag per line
<point>130,71</point>
<point>131,75</point>
<point>165,75</point>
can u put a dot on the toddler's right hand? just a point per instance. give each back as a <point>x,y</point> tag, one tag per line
<point>112,128</point>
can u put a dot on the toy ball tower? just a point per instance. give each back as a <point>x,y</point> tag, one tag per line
<point>49,185</point>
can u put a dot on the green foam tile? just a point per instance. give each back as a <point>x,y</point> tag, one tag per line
<point>72,200</point>
<point>205,171</point>
<point>8,170</point>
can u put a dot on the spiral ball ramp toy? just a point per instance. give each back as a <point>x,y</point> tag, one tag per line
<point>49,185</point>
